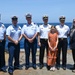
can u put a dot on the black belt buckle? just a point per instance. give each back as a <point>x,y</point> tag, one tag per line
<point>62,38</point>
<point>45,39</point>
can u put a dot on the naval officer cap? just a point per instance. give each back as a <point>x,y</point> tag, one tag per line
<point>28,15</point>
<point>45,17</point>
<point>62,18</point>
<point>14,18</point>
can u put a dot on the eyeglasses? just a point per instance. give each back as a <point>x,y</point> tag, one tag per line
<point>62,18</point>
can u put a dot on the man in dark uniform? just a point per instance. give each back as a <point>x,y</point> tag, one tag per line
<point>63,31</point>
<point>43,39</point>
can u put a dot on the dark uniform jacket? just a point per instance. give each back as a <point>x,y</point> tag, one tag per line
<point>72,38</point>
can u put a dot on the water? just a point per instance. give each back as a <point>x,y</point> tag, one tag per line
<point>22,41</point>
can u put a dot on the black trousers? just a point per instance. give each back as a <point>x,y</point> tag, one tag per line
<point>73,54</point>
<point>2,54</point>
<point>62,45</point>
<point>44,44</point>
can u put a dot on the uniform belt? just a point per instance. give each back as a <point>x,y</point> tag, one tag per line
<point>62,38</point>
<point>44,39</point>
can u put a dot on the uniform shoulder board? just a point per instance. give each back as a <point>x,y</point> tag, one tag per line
<point>49,26</point>
<point>19,28</point>
<point>3,26</point>
<point>41,26</point>
<point>32,23</point>
<point>24,25</point>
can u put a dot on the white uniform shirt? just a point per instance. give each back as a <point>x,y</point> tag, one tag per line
<point>43,30</point>
<point>63,31</point>
<point>14,32</point>
<point>30,30</point>
<point>2,31</point>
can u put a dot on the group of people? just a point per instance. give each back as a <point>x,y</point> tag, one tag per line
<point>53,38</point>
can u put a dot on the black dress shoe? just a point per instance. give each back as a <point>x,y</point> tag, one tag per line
<point>64,68</point>
<point>41,66</point>
<point>10,73</point>
<point>34,67</point>
<point>27,67</point>
<point>48,67</point>
<point>4,70</point>
<point>58,68</point>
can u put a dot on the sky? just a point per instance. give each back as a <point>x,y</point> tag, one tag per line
<point>53,8</point>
